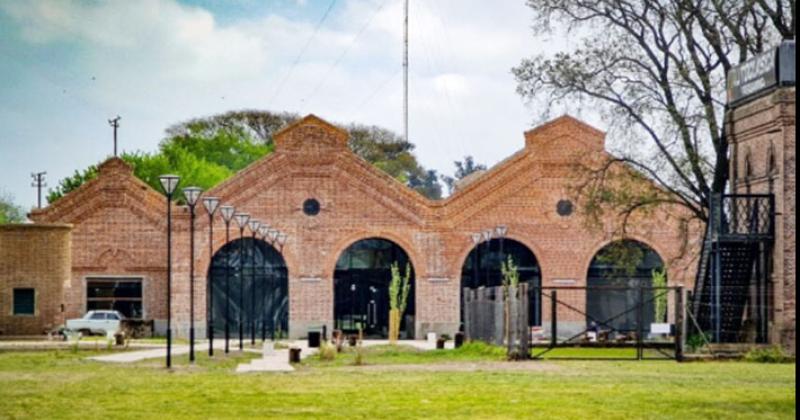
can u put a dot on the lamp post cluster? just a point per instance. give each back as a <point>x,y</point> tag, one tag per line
<point>192,195</point>
<point>483,239</point>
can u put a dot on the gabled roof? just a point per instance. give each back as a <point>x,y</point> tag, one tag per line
<point>298,132</point>
<point>566,126</point>
<point>113,175</point>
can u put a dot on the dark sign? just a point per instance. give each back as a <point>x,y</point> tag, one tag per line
<point>764,71</point>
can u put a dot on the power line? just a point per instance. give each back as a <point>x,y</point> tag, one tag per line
<point>367,99</point>
<point>341,56</point>
<point>302,51</point>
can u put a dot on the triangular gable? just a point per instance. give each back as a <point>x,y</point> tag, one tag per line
<point>114,176</point>
<point>550,133</point>
<point>309,142</point>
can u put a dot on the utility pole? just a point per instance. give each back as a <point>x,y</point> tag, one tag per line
<point>114,122</point>
<point>405,72</point>
<point>38,183</point>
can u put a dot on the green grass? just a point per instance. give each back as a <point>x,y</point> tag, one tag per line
<point>396,383</point>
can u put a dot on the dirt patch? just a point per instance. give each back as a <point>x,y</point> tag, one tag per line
<point>531,366</point>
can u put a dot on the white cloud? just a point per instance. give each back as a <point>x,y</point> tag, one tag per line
<point>158,62</point>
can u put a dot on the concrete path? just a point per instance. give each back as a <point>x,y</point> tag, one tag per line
<point>276,361</point>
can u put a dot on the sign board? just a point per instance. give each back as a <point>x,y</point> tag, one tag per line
<point>770,69</point>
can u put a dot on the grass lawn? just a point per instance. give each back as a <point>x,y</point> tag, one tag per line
<point>394,383</point>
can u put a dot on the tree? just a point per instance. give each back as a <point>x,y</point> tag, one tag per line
<point>206,151</point>
<point>655,70</point>
<point>427,184</point>
<point>10,212</point>
<point>463,169</point>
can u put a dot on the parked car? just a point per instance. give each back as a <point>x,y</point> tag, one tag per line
<point>97,322</point>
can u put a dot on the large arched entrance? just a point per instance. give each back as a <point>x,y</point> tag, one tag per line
<point>482,269</point>
<point>619,278</point>
<point>250,286</point>
<point>361,288</point>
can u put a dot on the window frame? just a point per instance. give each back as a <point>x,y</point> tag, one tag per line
<point>99,278</point>
<point>14,301</point>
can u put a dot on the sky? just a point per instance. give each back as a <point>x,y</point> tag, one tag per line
<point>66,67</point>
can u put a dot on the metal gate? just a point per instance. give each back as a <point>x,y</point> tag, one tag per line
<point>609,323</point>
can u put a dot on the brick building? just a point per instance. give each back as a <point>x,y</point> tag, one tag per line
<point>345,221</point>
<point>762,134</point>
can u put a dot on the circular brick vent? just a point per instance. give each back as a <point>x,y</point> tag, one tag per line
<point>564,208</point>
<point>311,207</point>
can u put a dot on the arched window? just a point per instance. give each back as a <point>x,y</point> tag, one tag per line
<point>482,268</point>
<point>249,286</point>
<point>361,288</point>
<point>619,278</point>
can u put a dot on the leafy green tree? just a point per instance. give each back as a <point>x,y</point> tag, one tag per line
<point>10,212</point>
<point>655,70</point>
<point>206,151</point>
<point>427,184</point>
<point>463,169</point>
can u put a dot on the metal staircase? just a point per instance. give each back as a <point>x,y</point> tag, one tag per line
<point>731,295</point>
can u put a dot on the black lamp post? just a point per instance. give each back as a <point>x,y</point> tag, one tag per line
<point>227,215</point>
<point>192,194</point>
<point>263,232</point>
<point>211,204</point>
<point>254,225</point>
<point>169,183</point>
<point>241,220</point>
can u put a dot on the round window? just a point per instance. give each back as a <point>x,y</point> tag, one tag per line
<point>564,208</point>
<point>311,207</point>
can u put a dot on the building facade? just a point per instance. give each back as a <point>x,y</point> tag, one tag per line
<point>762,134</point>
<point>345,224</point>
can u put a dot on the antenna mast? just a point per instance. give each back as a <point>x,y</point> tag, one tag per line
<point>405,73</point>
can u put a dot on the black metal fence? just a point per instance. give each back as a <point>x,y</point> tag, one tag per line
<point>595,322</point>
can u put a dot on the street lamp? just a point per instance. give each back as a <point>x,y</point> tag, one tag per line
<point>227,216</point>
<point>241,220</point>
<point>254,225</point>
<point>211,204</point>
<point>263,232</point>
<point>169,183</point>
<point>191,194</point>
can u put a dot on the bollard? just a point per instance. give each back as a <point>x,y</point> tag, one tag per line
<point>294,355</point>
<point>459,340</point>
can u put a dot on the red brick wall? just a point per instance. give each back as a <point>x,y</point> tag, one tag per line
<point>38,257</point>
<point>357,202</point>
<point>762,127</point>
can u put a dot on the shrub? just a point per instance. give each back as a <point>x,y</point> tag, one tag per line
<point>696,342</point>
<point>773,354</point>
<point>327,352</point>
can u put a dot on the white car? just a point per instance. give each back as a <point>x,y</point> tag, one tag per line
<point>97,322</point>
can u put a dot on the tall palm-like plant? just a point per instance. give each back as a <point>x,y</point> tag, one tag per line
<point>399,288</point>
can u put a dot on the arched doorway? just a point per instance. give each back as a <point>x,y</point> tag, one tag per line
<point>361,288</point>
<point>482,268</point>
<point>250,284</point>
<point>619,278</point>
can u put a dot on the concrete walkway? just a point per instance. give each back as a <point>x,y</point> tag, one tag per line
<point>274,361</point>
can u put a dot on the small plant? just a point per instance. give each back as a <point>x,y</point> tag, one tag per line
<point>773,354</point>
<point>660,301</point>
<point>510,283</point>
<point>399,288</point>
<point>359,359</point>
<point>327,352</point>
<point>696,342</point>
